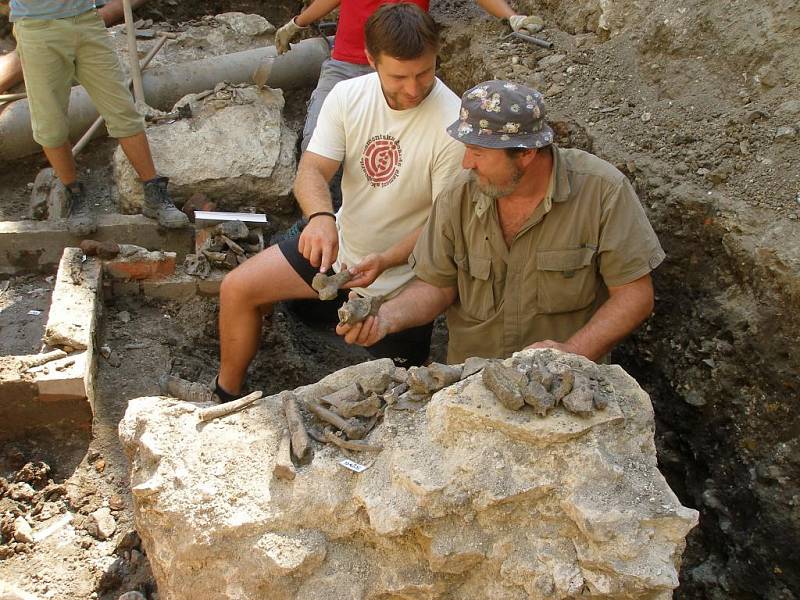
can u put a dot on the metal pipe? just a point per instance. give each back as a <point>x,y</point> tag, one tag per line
<point>166,85</point>
<point>532,40</point>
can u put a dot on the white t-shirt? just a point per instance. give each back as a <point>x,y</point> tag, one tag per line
<point>395,164</point>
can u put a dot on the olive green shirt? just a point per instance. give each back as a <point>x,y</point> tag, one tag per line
<point>589,232</point>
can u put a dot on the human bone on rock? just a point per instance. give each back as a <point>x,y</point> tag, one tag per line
<point>466,499</point>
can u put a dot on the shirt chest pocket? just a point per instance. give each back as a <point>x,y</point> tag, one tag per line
<point>475,293</point>
<point>566,280</point>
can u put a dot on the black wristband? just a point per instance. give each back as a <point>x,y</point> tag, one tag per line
<point>320,213</point>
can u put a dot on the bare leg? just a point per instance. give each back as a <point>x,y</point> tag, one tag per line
<point>63,162</point>
<point>10,71</point>
<point>248,292</point>
<point>137,149</point>
<point>112,13</point>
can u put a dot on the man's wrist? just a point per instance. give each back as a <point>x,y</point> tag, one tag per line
<point>297,23</point>
<point>321,213</point>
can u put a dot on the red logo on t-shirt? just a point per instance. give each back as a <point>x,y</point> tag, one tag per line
<point>381,160</point>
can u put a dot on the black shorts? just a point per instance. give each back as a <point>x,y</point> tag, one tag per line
<point>407,348</point>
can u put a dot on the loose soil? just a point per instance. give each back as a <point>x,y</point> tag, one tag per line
<point>698,104</point>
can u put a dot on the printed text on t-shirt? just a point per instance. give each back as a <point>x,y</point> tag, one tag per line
<point>381,160</point>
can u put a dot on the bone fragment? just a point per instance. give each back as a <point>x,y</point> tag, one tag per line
<point>368,407</point>
<point>565,379</point>
<point>472,365</point>
<point>444,375</point>
<point>600,399</point>
<point>356,310</point>
<point>232,245</point>
<point>375,383</point>
<point>541,375</point>
<point>351,428</point>
<point>284,469</point>
<point>235,230</point>
<point>328,286</point>
<point>581,399</point>
<point>400,375</point>
<point>301,445</point>
<point>350,445</point>
<point>537,396</point>
<point>393,395</point>
<point>505,383</point>
<point>36,360</point>
<point>350,393</point>
<point>222,410</point>
<point>317,435</point>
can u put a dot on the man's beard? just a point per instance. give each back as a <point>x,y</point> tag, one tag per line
<point>495,191</point>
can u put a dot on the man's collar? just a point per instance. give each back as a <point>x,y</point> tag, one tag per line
<point>559,186</point>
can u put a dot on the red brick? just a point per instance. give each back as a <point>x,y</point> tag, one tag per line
<point>156,266</point>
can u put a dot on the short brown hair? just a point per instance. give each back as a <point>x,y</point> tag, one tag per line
<point>402,30</point>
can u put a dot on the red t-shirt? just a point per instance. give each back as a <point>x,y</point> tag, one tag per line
<point>353,14</point>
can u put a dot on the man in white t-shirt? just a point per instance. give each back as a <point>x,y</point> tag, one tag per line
<point>388,131</point>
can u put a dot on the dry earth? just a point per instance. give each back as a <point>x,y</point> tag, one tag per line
<point>698,103</point>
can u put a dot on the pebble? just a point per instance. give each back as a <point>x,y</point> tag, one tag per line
<point>22,531</point>
<point>790,107</point>
<point>124,316</point>
<point>100,524</point>
<point>785,133</point>
<point>132,596</point>
<point>646,117</point>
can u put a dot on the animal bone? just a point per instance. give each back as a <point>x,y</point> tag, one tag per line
<point>284,469</point>
<point>352,428</point>
<point>222,410</point>
<point>328,285</point>
<point>580,399</point>
<point>537,396</point>
<point>505,383</point>
<point>300,444</point>
<point>350,445</point>
<point>356,310</point>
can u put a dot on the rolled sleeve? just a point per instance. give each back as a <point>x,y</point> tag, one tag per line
<point>433,256</point>
<point>628,247</point>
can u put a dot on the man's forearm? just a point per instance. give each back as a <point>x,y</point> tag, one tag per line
<point>419,303</point>
<point>498,8</point>
<point>399,253</point>
<point>314,12</point>
<point>311,184</point>
<point>626,308</point>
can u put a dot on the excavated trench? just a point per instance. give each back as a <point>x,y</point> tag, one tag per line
<point>719,357</point>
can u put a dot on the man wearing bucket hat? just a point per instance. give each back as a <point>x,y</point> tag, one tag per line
<point>532,246</point>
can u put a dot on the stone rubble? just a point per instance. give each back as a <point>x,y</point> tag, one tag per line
<point>466,499</point>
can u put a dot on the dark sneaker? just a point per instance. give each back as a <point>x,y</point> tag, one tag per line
<point>158,205</point>
<point>183,389</point>
<point>81,221</point>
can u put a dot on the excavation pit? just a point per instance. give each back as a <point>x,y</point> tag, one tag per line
<point>698,136</point>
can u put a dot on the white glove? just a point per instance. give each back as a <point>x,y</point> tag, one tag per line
<point>285,34</point>
<point>525,24</point>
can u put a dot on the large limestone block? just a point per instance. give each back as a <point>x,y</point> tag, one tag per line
<point>236,150</point>
<point>467,500</point>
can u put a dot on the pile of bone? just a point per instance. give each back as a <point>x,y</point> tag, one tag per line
<point>226,246</point>
<point>543,386</point>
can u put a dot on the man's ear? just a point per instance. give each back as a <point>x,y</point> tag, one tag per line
<point>372,62</point>
<point>527,157</point>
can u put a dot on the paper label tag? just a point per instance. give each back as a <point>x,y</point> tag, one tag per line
<point>353,466</point>
<point>34,312</point>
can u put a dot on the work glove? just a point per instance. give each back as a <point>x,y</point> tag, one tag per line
<point>525,24</point>
<point>286,34</point>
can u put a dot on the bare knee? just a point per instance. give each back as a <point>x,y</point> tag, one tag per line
<point>236,290</point>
